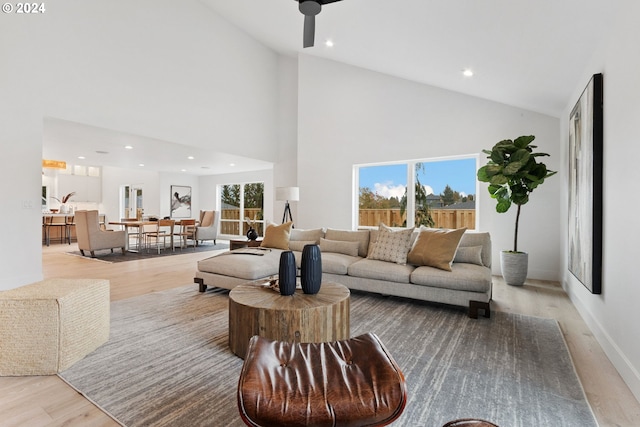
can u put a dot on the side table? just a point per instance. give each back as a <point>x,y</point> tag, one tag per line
<point>238,244</point>
<point>255,309</point>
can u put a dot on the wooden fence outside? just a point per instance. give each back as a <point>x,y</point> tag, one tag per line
<point>230,221</point>
<point>443,218</point>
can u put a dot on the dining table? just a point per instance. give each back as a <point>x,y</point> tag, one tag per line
<point>139,224</point>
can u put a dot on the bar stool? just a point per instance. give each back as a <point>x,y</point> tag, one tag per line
<point>55,222</point>
<point>70,222</point>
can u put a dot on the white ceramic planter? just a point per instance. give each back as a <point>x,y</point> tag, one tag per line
<point>514,267</point>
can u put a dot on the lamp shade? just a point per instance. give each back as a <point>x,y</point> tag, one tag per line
<point>288,193</point>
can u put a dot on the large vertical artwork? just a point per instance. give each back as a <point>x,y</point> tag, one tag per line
<point>180,201</point>
<point>585,186</point>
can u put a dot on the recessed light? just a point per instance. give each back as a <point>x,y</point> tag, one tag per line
<point>183,170</point>
<point>81,157</point>
<point>328,43</point>
<point>467,72</point>
<point>141,164</point>
<point>128,147</point>
<point>102,152</point>
<point>190,157</point>
<point>232,164</point>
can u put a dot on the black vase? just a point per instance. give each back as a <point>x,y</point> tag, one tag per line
<point>311,269</point>
<point>252,234</point>
<point>287,273</point>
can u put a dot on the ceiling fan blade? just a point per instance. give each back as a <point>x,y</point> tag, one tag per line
<point>309,30</point>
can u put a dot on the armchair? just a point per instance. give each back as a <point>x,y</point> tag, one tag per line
<point>208,228</point>
<point>92,238</point>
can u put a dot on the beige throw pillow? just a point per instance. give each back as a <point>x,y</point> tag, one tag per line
<point>436,248</point>
<point>277,236</point>
<point>340,247</point>
<point>298,245</point>
<point>206,218</point>
<point>391,245</point>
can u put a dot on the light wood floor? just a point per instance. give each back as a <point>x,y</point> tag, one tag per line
<point>48,401</point>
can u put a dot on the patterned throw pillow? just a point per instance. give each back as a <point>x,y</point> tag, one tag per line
<point>436,248</point>
<point>391,245</point>
<point>277,236</point>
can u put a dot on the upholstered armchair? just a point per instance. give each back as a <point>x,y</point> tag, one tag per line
<point>208,226</point>
<point>92,238</point>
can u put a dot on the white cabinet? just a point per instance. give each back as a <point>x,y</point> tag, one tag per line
<point>87,188</point>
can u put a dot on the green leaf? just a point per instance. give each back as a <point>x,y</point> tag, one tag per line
<point>523,141</point>
<point>512,168</point>
<point>499,179</point>
<point>503,206</point>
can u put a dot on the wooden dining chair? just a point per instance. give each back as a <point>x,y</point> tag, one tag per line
<point>163,231</point>
<point>186,231</point>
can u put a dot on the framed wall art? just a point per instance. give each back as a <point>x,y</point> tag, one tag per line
<point>585,186</point>
<point>180,201</point>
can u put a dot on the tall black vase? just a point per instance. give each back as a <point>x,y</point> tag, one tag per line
<point>287,273</point>
<point>311,269</point>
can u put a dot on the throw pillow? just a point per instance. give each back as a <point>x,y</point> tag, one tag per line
<point>341,247</point>
<point>277,236</point>
<point>436,248</point>
<point>469,254</point>
<point>391,245</point>
<point>206,218</point>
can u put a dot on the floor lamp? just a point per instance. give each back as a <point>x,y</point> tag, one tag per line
<point>287,194</point>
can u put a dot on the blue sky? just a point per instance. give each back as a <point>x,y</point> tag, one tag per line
<point>390,180</point>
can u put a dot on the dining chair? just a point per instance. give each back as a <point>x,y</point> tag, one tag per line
<point>70,223</point>
<point>163,230</point>
<point>186,231</point>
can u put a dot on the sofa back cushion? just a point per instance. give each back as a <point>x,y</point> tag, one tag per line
<point>306,235</point>
<point>339,246</point>
<point>360,236</point>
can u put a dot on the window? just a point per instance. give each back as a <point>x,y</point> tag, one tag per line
<point>432,192</point>
<point>238,202</point>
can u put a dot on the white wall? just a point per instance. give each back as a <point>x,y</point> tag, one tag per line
<point>613,316</point>
<point>348,115</point>
<point>158,68</point>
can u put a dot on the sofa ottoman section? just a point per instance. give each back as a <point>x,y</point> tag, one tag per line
<point>243,265</point>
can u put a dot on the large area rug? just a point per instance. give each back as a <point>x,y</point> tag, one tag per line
<point>116,256</point>
<point>167,363</point>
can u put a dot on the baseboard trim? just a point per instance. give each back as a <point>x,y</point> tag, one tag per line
<point>625,368</point>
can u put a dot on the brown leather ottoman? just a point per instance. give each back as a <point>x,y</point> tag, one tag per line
<point>354,382</point>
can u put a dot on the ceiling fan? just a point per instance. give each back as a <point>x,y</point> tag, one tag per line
<point>310,8</point>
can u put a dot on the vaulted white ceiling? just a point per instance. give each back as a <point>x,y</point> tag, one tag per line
<point>525,53</point>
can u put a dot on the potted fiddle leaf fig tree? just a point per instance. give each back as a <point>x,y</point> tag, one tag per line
<point>513,173</point>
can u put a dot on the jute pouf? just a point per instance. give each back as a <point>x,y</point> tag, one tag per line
<point>46,327</point>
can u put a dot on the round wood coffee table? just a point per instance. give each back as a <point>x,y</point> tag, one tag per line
<point>255,309</point>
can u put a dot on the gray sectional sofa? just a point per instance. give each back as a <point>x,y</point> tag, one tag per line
<point>345,260</point>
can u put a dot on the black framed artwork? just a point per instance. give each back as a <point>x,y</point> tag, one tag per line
<point>585,186</point>
<point>180,201</point>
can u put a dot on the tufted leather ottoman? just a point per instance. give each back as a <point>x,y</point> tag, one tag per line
<point>354,382</point>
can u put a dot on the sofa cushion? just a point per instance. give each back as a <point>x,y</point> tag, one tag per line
<point>465,277</point>
<point>391,245</point>
<point>335,263</point>
<point>381,270</point>
<point>298,245</point>
<point>306,235</point>
<point>243,265</point>
<point>473,238</point>
<point>360,236</point>
<point>435,247</point>
<point>277,236</point>
<point>469,254</point>
<point>338,246</point>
